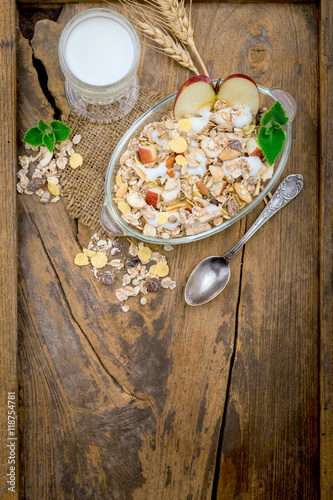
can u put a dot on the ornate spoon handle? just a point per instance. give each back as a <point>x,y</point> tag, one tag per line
<point>289,188</point>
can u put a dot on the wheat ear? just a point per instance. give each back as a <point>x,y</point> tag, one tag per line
<point>168,46</point>
<point>179,24</point>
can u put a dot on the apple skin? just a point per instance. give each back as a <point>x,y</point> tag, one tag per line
<point>236,75</point>
<point>147,154</point>
<point>188,83</point>
<point>152,198</point>
<point>257,152</point>
<point>224,185</point>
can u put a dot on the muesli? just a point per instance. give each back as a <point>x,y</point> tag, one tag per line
<point>181,177</point>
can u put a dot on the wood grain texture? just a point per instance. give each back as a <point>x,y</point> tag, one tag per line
<point>8,251</point>
<point>269,443</point>
<point>326,251</point>
<point>163,360</point>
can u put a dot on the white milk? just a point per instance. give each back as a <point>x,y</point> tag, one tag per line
<point>99,51</point>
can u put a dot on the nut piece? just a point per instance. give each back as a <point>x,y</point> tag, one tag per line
<point>216,172</point>
<point>122,190</point>
<point>81,259</point>
<point>178,145</point>
<point>229,154</point>
<point>242,192</point>
<point>202,187</point>
<point>75,161</point>
<point>99,260</point>
<point>46,156</point>
<point>135,200</point>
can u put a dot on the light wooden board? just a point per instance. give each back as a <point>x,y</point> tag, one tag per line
<point>8,251</point>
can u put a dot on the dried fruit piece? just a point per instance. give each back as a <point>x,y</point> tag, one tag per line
<point>53,189</point>
<point>153,284</point>
<point>144,254</point>
<point>170,161</point>
<point>160,269</point>
<point>107,277</point>
<point>132,262</point>
<point>178,145</point>
<point>185,124</point>
<point>181,160</point>
<point>99,260</point>
<point>75,161</point>
<point>124,207</point>
<point>36,183</point>
<point>81,259</point>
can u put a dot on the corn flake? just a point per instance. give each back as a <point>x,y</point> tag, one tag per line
<point>181,160</point>
<point>99,260</point>
<point>75,161</point>
<point>178,145</point>
<point>185,124</point>
<point>144,254</point>
<point>124,207</point>
<point>53,189</point>
<point>81,259</point>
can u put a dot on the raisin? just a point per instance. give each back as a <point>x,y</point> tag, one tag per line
<point>259,115</point>
<point>235,145</point>
<point>107,277</point>
<point>239,179</point>
<point>132,262</point>
<point>153,284</point>
<point>232,207</point>
<point>211,199</point>
<point>36,183</point>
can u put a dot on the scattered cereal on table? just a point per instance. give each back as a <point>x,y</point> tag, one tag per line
<point>81,260</point>
<point>99,260</point>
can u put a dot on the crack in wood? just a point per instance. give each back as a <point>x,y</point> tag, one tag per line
<point>226,402</point>
<point>114,379</point>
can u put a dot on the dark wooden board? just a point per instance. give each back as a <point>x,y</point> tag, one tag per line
<point>8,250</point>
<point>326,251</point>
<point>133,405</point>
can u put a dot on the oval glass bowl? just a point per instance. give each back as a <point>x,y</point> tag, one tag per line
<point>110,216</point>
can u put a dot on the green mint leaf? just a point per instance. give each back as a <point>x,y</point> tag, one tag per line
<point>49,140</point>
<point>42,126</point>
<point>271,143</point>
<point>276,113</point>
<point>34,137</point>
<point>61,131</point>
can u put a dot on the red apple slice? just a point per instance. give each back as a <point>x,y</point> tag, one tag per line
<point>253,149</point>
<point>195,94</point>
<point>147,154</point>
<point>152,196</point>
<point>239,89</point>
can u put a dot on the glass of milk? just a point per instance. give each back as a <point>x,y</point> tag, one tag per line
<point>99,53</point>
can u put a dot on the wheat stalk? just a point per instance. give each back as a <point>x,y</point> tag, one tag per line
<point>168,46</point>
<point>178,23</point>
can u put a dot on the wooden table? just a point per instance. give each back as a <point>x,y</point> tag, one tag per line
<point>232,400</point>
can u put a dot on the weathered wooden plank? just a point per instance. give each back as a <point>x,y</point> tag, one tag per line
<point>59,2</point>
<point>326,250</point>
<point>163,356</point>
<point>8,275</point>
<point>269,446</point>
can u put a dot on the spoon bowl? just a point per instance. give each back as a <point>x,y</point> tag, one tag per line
<point>207,280</point>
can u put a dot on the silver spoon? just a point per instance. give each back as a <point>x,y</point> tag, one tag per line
<point>211,276</point>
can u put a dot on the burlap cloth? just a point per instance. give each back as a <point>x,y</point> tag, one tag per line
<point>83,188</point>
